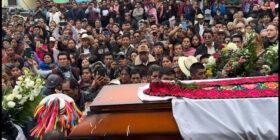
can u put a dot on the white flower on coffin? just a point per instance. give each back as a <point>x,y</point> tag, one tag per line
<point>16,87</point>
<point>31,98</point>
<point>15,92</point>
<point>24,99</point>
<point>18,82</point>
<point>20,78</point>
<point>19,97</point>
<point>10,97</point>
<point>275,48</point>
<point>30,84</point>
<point>21,102</point>
<point>11,104</point>
<point>232,47</point>
<point>211,61</point>
<point>36,92</point>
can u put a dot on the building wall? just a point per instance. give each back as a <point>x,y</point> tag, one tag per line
<point>4,3</point>
<point>27,4</point>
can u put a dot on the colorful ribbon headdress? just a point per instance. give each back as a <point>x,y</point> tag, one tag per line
<point>56,112</point>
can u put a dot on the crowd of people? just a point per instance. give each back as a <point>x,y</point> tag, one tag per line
<point>80,47</point>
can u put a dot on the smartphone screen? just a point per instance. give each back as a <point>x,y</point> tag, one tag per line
<point>106,33</point>
<point>28,52</point>
<point>184,26</point>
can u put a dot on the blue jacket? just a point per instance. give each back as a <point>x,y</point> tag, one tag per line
<point>222,10</point>
<point>44,66</point>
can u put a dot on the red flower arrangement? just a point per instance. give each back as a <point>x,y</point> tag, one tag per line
<point>221,46</point>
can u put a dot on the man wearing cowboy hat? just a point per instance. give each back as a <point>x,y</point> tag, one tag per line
<point>185,64</point>
<point>199,25</point>
<point>86,50</point>
<point>252,22</point>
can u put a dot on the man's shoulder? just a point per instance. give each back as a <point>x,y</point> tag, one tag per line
<point>201,46</point>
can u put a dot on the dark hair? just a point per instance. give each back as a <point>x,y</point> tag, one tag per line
<point>127,69</point>
<point>159,44</point>
<point>126,22</point>
<point>208,31</point>
<point>14,66</point>
<point>153,68</point>
<point>72,40</point>
<point>100,69</point>
<point>108,53</point>
<point>177,44</point>
<point>73,83</point>
<point>135,71</point>
<point>167,56</point>
<point>64,53</point>
<point>167,71</point>
<point>195,66</point>
<point>236,36</point>
<point>20,60</point>
<point>205,56</point>
<point>54,135</point>
<point>198,36</point>
<point>8,127</point>
<point>126,35</point>
<point>17,40</point>
<point>85,68</point>
<point>49,54</point>
<point>137,32</point>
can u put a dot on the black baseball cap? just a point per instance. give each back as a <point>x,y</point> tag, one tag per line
<point>52,81</point>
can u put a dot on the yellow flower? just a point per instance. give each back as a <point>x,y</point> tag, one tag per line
<point>225,49</point>
<point>209,73</point>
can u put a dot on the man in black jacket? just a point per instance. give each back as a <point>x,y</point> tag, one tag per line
<point>266,18</point>
<point>75,13</point>
<point>272,35</point>
<point>71,88</point>
<point>209,47</point>
<point>199,26</point>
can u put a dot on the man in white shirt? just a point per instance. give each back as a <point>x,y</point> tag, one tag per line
<point>79,27</point>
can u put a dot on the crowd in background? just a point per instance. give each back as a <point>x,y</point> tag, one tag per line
<point>80,47</point>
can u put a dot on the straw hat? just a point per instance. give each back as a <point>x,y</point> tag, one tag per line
<point>250,19</point>
<point>185,64</point>
<point>89,37</point>
<point>52,39</point>
<point>199,16</point>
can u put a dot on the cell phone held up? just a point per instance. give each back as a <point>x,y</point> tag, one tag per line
<point>106,33</point>
<point>184,26</point>
<point>28,52</point>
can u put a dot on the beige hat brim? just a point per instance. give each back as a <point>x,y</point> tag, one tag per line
<point>185,64</point>
<point>90,38</point>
